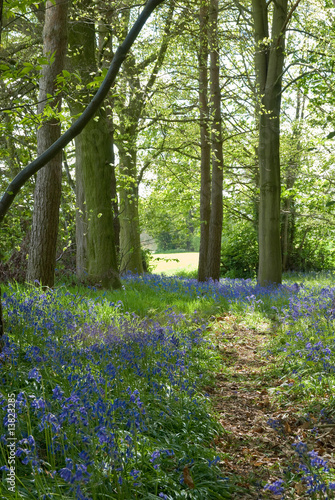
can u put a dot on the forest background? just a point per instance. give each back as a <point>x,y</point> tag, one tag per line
<point>146,145</point>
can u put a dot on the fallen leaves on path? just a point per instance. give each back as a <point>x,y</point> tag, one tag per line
<point>254,452</point>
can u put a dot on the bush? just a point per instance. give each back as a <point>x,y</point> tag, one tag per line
<point>147,260</point>
<point>239,252</point>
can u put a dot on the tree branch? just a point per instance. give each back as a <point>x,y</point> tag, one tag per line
<point>120,55</point>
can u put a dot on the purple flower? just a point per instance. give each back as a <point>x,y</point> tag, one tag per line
<point>276,487</point>
<point>35,374</point>
<point>155,455</point>
<point>135,473</point>
<point>65,474</point>
<point>57,393</point>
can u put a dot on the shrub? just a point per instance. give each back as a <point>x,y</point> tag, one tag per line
<point>239,252</point>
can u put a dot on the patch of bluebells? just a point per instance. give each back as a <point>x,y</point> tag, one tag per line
<point>312,471</point>
<point>102,386</point>
<point>309,322</point>
<point>233,290</point>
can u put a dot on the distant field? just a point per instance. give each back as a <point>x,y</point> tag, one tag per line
<point>188,261</point>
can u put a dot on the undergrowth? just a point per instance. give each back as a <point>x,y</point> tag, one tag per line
<point>108,386</point>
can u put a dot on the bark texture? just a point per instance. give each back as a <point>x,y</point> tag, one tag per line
<point>42,252</point>
<point>269,64</point>
<point>288,203</point>
<point>205,187</point>
<point>129,116</point>
<point>130,245</point>
<point>96,253</point>
<point>216,217</point>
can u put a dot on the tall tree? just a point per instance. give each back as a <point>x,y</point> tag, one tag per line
<point>42,251</point>
<point>96,253</point>
<point>77,127</point>
<point>130,105</point>
<point>269,65</point>
<point>205,163</point>
<point>215,223</point>
<point>211,209</point>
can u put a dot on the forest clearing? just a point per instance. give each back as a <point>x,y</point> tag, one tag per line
<point>174,262</point>
<point>169,388</point>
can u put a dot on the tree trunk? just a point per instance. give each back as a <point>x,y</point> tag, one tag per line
<point>269,64</point>
<point>129,117</point>
<point>288,226</point>
<point>130,245</point>
<point>96,254</point>
<point>216,217</point>
<point>205,187</point>
<point>42,252</point>
<point>93,155</point>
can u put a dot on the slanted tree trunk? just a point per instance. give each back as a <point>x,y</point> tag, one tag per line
<point>205,186</point>
<point>32,168</point>
<point>269,64</point>
<point>42,251</point>
<point>216,216</point>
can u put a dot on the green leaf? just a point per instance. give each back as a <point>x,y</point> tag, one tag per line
<point>330,135</point>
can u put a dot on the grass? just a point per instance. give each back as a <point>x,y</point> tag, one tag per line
<point>108,386</point>
<point>173,263</point>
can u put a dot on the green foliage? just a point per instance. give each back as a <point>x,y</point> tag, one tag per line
<point>239,251</point>
<point>147,260</point>
<point>177,241</point>
<point>313,251</point>
<point>123,394</point>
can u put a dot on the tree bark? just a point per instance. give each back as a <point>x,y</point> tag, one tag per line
<point>269,64</point>
<point>288,224</point>
<point>205,183</point>
<point>216,216</point>
<point>96,253</point>
<point>130,245</point>
<point>43,239</point>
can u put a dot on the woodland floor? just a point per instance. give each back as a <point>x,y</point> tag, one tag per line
<point>256,453</point>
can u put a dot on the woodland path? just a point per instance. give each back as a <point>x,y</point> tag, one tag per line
<point>244,403</point>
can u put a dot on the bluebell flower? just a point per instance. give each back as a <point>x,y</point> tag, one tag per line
<point>35,374</point>
<point>65,474</point>
<point>57,393</point>
<point>155,455</point>
<point>276,487</point>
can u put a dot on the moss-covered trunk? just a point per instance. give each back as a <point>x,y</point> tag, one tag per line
<point>96,254</point>
<point>130,245</point>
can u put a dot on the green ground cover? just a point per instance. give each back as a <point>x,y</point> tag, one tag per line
<point>108,387</point>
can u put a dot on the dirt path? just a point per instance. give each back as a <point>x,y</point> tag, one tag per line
<point>254,452</point>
